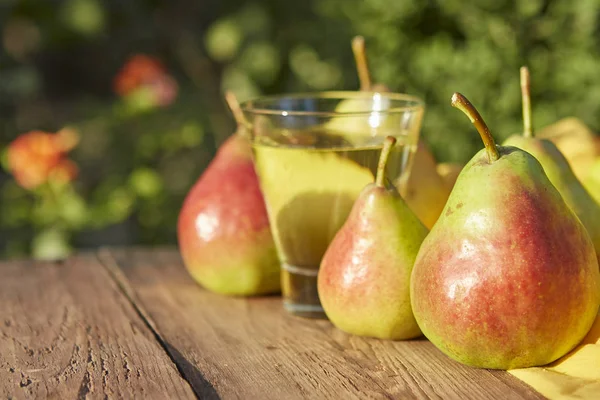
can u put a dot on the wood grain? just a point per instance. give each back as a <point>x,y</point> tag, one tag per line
<point>67,331</point>
<point>252,349</point>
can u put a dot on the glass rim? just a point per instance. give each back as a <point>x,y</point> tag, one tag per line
<point>248,105</point>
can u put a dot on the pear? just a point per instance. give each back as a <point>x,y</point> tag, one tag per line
<point>449,172</point>
<point>576,141</point>
<point>592,182</point>
<point>364,278</point>
<point>508,277</point>
<point>557,169</point>
<point>223,230</point>
<point>425,191</point>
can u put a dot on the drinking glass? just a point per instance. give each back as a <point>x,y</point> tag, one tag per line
<point>313,154</point>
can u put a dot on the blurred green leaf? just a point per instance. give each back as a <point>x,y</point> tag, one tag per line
<point>317,74</point>
<point>84,16</point>
<point>119,204</point>
<point>240,82</point>
<point>192,134</point>
<point>113,204</point>
<point>223,40</point>
<point>145,182</point>
<point>73,209</point>
<point>253,19</point>
<point>529,8</point>
<point>16,209</point>
<point>4,159</point>
<point>46,209</point>
<point>261,61</point>
<point>140,100</point>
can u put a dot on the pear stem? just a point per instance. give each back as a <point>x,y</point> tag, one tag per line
<point>526,96</point>
<point>459,101</point>
<point>388,144</point>
<point>235,108</point>
<point>362,65</point>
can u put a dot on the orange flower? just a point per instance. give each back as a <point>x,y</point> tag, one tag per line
<point>145,72</point>
<point>36,157</point>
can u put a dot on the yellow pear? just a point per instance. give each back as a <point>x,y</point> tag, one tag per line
<point>449,173</point>
<point>425,192</point>
<point>592,182</point>
<point>576,141</point>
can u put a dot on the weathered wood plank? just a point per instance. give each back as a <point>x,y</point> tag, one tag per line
<point>251,348</point>
<point>67,331</point>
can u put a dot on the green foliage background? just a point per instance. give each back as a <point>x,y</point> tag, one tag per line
<point>58,59</point>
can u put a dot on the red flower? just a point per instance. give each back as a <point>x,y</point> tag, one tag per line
<point>145,72</point>
<point>36,157</point>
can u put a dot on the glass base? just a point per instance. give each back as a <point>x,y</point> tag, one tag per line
<point>305,311</point>
<point>299,286</point>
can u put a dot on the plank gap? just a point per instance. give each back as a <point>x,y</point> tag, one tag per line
<point>186,369</point>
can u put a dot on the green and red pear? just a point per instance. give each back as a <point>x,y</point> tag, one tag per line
<point>223,228</point>
<point>508,276</point>
<point>364,277</point>
<point>557,168</point>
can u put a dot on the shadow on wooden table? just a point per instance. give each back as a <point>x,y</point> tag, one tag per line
<point>201,387</point>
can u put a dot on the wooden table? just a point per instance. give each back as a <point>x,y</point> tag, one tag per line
<point>131,323</point>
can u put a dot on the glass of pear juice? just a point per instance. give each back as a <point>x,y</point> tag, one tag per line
<point>313,154</point>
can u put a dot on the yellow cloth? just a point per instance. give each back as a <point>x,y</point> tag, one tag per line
<point>574,376</point>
